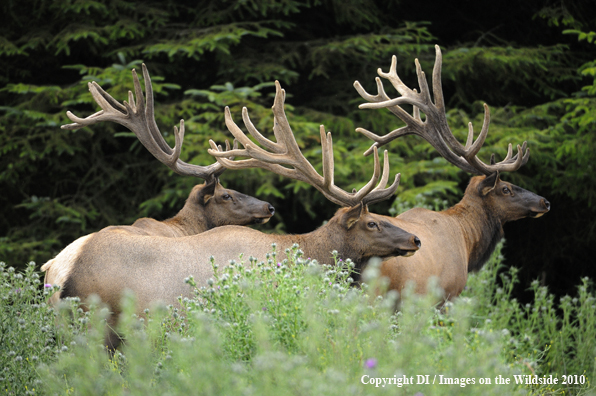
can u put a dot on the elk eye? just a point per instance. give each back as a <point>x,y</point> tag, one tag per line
<point>372,224</point>
<point>226,196</point>
<point>506,190</point>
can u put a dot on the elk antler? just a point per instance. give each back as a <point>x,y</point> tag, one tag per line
<point>434,129</point>
<point>139,118</point>
<point>285,158</point>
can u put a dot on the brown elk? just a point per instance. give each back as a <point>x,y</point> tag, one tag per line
<point>153,267</point>
<point>208,205</point>
<point>461,238</point>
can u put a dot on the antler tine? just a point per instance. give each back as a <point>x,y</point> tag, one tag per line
<point>394,79</point>
<point>471,149</point>
<point>329,189</point>
<point>254,132</point>
<point>381,96</point>
<point>284,144</point>
<point>250,149</point>
<point>286,159</point>
<point>382,140</point>
<point>150,110</point>
<point>217,173</point>
<point>509,153</point>
<point>396,110</point>
<point>385,174</point>
<point>235,129</point>
<point>416,112</point>
<point>228,163</point>
<point>437,82</point>
<point>381,193</point>
<point>435,128</point>
<point>509,164</point>
<point>391,104</point>
<point>283,132</point>
<point>424,94</point>
<point>328,158</point>
<point>110,109</point>
<point>138,116</point>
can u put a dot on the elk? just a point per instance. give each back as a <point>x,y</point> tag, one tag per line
<point>460,239</point>
<point>154,267</point>
<point>208,205</point>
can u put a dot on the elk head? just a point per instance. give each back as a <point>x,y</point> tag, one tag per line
<point>369,232</point>
<point>509,201</point>
<point>227,207</point>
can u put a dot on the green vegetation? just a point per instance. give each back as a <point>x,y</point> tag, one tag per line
<point>297,327</point>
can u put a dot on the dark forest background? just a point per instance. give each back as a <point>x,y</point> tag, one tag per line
<point>533,62</point>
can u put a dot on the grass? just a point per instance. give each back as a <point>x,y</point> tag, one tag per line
<point>298,327</point>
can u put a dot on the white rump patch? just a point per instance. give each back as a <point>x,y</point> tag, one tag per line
<point>59,268</point>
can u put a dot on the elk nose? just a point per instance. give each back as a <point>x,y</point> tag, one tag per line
<point>417,242</point>
<point>271,209</point>
<point>546,204</point>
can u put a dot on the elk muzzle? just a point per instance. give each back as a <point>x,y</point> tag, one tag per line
<point>268,212</point>
<point>543,207</point>
<point>415,244</point>
<point>407,246</point>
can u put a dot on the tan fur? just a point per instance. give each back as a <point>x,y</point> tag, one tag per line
<point>442,254</point>
<point>60,267</point>
<point>162,228</point>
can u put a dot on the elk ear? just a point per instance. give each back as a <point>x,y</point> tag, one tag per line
<point>352,216</point>
<point>208,191</point>
<point>489,183</point>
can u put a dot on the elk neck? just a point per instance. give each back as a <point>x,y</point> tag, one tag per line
<point>190,221</point>
<point>481,226</point>
<point>319,243</point>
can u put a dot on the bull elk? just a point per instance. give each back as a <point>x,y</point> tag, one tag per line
<point>154,267</point>
<point>461,238</point>
<point>208,205</point>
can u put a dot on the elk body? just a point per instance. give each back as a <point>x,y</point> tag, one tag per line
<point>462,238</point>
<point>111,261</point>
